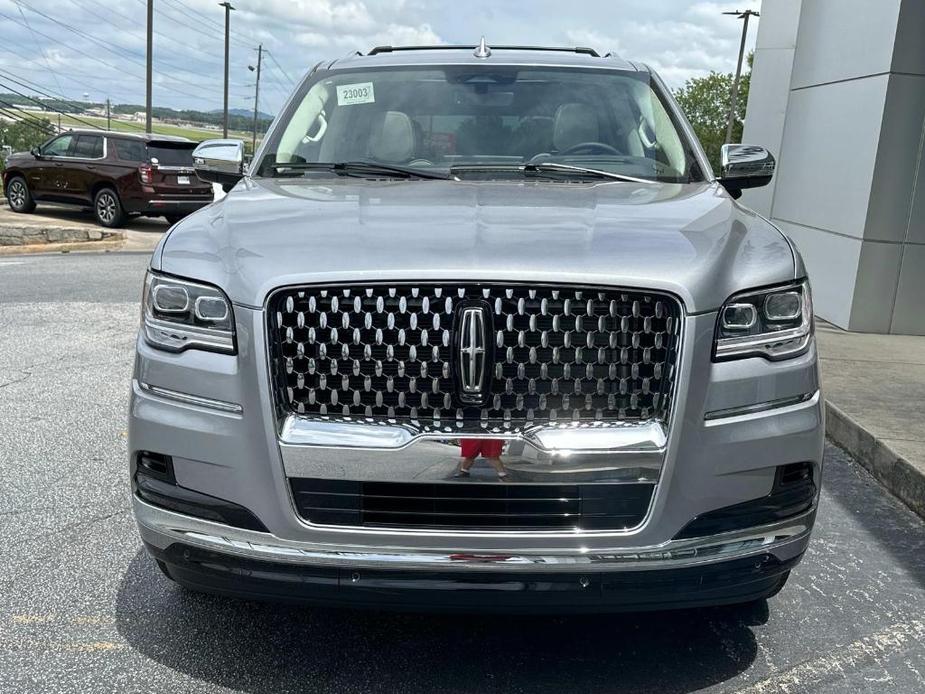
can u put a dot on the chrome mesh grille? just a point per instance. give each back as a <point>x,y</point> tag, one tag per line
<point>559,354</point>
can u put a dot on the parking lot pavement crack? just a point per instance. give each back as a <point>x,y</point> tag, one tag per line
<point>25,375</point>
<point>71,526</point>
<point>870,650</point>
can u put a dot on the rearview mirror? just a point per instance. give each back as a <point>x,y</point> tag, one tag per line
<point>745,166</point>
<point>219,161</point>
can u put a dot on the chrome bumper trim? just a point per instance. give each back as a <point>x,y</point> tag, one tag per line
<point>781,406</point>
<point>188,399</point>
<point>380,451</point>
<point>162,528</point>
<point>629,437</point>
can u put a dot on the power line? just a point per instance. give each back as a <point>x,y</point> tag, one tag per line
<point>198,16</point>
<point>70,74</point>
<point>31,85</point>
<point>216,27</point>
<point>26,84</point>
<point>49,108</point>
<point>18,115</point>
<point>101,61</point>
<point>134,25</point>
<point>42,126</point>
<point>112,48</point>
<point>280,67</point>
<point>39,46</point>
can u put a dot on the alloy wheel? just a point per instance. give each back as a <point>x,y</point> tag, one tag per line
<point>17,193</point>
<point>106,207</point>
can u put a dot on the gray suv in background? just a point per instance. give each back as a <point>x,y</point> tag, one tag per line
<point>478,329</point>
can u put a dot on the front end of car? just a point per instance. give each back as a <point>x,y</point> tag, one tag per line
<point>311,448</point>
<point>478,331</point>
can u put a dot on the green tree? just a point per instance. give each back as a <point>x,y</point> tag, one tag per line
<point>22,136</point>
<point>705,101</point>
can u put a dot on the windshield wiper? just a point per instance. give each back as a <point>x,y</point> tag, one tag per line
<point>350,168</point>
<point>548,167</point>
<point>545,166</point>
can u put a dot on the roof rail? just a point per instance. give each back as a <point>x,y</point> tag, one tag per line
<point>561,49</point>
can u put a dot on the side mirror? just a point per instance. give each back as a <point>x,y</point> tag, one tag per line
<point>36,152</point>
<point>219,161</point>
<point>745,166</point>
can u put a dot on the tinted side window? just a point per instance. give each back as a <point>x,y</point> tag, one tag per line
<point>59,147</point>
<point>130,150</point>
<point>88,147</point>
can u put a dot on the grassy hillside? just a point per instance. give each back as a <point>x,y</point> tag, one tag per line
<point>196,134</point>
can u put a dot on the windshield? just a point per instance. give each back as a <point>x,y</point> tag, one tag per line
<point>488,121</point>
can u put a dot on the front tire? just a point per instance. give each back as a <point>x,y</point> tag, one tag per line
<point>107,209</point>
<point>18,196</point>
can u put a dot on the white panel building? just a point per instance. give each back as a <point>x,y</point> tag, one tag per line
<point>838,96</point>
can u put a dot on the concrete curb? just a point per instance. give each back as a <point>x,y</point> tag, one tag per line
<point>17,239</point>
<point>29,235</point>
<point>107,244</point>
<point>901,478</point>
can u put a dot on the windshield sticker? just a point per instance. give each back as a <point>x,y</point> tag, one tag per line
<point>351,94</point>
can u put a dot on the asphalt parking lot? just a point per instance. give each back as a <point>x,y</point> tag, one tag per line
<point>82,608</point>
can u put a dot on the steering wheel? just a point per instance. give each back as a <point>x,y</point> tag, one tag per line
<point>590,148</point>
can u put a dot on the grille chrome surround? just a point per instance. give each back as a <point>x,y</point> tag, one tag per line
<point>391,352</point>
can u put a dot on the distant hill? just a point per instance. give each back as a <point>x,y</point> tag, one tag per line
<point>244,113</point>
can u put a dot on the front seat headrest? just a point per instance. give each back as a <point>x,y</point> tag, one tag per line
<point>392,137</point>
<point>574,123</point>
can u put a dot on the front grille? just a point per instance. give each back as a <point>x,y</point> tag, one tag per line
<point>471,506</point>
<point>553,354</point>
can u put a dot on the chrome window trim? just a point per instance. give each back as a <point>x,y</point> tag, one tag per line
<point>56,157</point>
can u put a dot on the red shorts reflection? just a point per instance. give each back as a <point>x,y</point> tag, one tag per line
<point>487,448</point>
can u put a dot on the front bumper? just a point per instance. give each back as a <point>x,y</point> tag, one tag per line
<point>722,569</point>
<point>226,441</point>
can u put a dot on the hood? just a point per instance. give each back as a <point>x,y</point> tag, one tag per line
<point>19,156</point>
<point>691,240</point>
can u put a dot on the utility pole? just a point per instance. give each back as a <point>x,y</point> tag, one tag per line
<point>256,94</point>
<point>108,124</point>
<point>228,9</point>
<point>734,98</point>
<point>148,72</point>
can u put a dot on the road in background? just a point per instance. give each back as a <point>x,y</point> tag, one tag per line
<point>82,608</point>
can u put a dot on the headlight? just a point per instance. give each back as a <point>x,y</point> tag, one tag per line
<point>774,323</point>
<point>178,315</point>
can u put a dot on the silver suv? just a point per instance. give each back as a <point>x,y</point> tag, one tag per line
<point>478,329</point>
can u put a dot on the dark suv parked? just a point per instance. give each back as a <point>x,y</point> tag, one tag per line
<point>119,174</point>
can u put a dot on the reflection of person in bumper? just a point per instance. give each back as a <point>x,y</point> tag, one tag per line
<point>490,449</point>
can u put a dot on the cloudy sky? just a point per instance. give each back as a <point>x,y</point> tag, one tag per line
<point>97,47</point>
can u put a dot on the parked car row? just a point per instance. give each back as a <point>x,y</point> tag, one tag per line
<point>117,175</point>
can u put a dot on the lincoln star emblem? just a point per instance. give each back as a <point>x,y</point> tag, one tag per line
<point>473,353</point>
